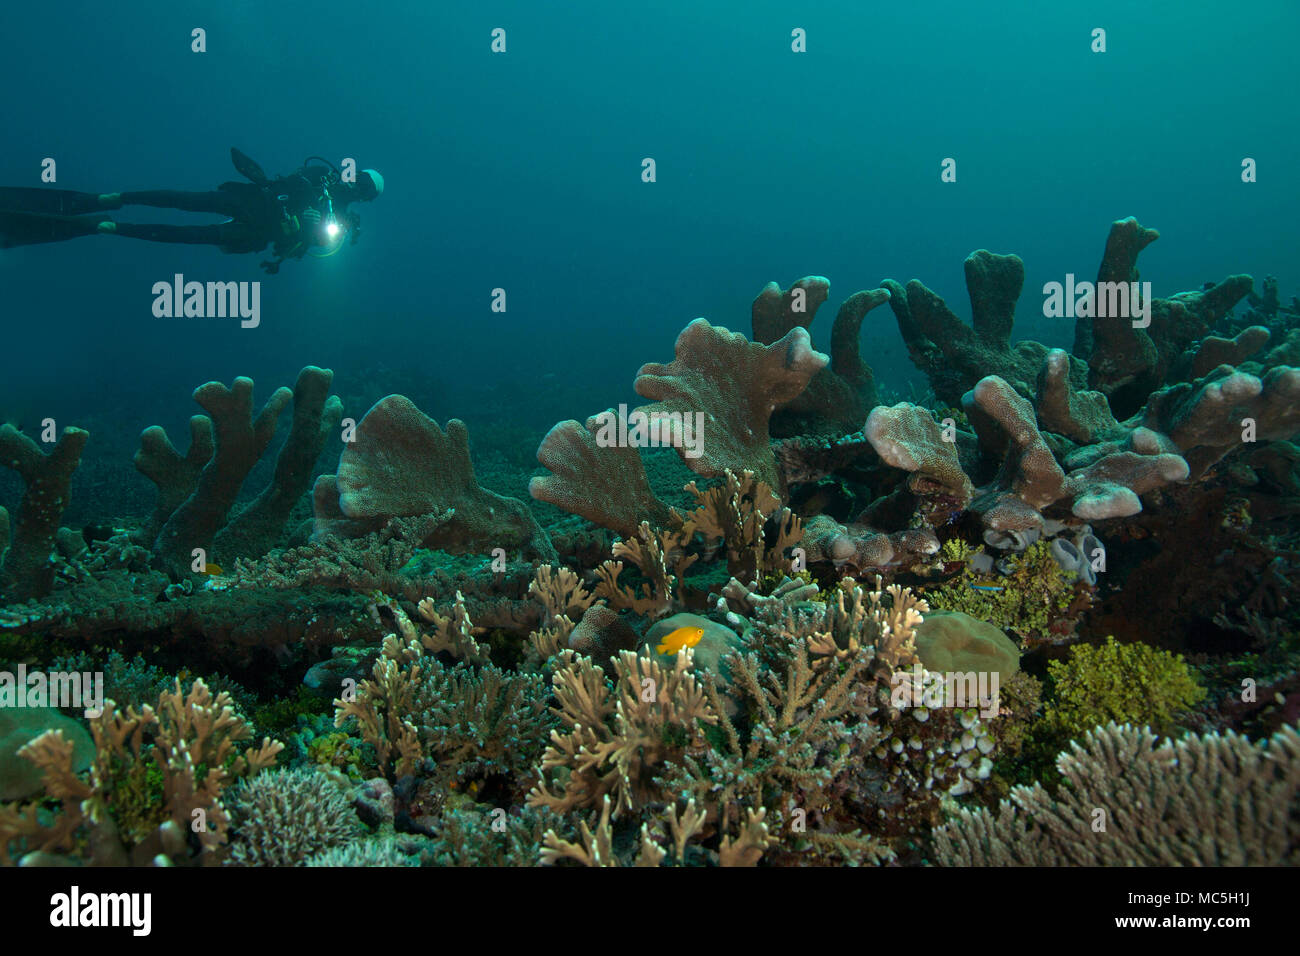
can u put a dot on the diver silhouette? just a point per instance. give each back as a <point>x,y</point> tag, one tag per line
<point>294,213</point>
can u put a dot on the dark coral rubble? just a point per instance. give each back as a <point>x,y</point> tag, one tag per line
<point>736,646</point>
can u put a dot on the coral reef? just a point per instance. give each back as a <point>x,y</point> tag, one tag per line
<point>821,649</point>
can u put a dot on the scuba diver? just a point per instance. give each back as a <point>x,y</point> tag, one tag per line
<point>294,214</point>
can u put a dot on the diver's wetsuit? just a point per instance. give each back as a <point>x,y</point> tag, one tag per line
<point>261,212</point>
<point>254,217</point>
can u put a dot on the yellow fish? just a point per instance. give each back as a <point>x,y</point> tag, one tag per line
<point>682,637</point>
<point>213,569</point>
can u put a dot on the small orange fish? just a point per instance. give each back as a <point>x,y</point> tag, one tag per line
<point>213,569</point>
<point>682,637</point>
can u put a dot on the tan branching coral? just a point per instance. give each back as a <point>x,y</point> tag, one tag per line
<point>564,599</point>
<point>615,739</point>
<point>597,846</point>
<point>736,514</point>
<point>662,560</point>
<point>189,740</point>
<point>748,846</point>
<point>453,632</point>
<point>1132,799</point>
<point>467,717</point>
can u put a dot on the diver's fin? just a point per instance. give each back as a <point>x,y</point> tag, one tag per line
<point>247,168</point>
<point>53,202</point>
<point>28,228</point>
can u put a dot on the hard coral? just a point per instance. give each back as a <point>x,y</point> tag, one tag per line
<point>189,745</point>
<point>285,817</point>
<point>27,541</point>
<point>400,464</point>
<point>1200,801</point>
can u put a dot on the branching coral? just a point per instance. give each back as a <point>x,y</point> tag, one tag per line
<point>472,719</point>
<point>158,774</point>
<point>615,740</point>
<point>1131,799</point>
<point>736,514</point>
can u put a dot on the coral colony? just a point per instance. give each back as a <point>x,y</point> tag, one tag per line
<point>961,630</point>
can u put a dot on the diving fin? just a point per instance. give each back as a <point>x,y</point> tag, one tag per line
<point>247,168</point>
<point>53,202</point>
<point>27,228</point>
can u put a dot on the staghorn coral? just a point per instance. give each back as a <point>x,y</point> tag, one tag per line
<point>27,540</point>
<point>158,775</point>
<point>736,514</point>
<point>367,853</point>
<point>469,836</point>
<point>472,719</point>
<point>595,847</point>
<point>820,746</point>
<point>1131,799</point>
<point>284,817</point>
<point>615,740</point>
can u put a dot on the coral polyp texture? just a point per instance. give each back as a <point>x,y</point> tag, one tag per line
<point>781,614</point>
